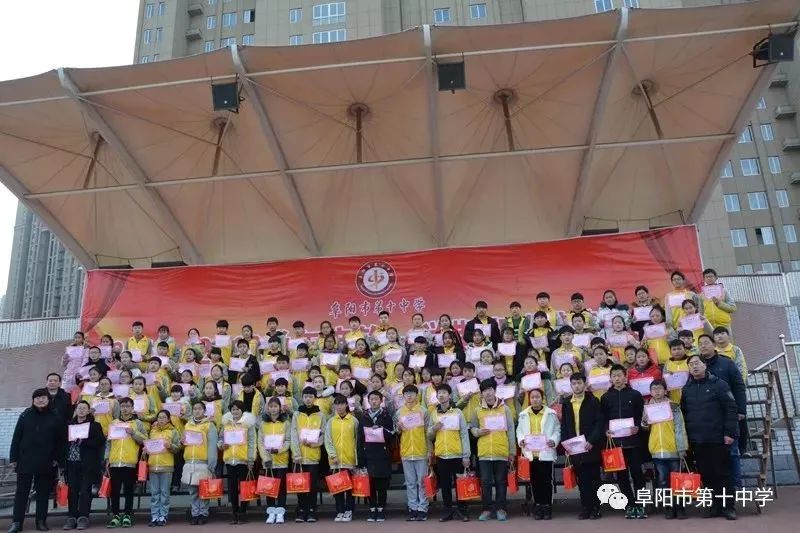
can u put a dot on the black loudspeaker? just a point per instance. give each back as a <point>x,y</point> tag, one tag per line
<point>774,48</point>
<point>452,76</point>
<point>225,97</point>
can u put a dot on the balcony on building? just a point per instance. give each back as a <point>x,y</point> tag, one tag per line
<point>779,79</point>
<point>193,34</point>
<point>195,9</point>
<point>785,111</point>
<point>791,144</point>
<point>794,178</point>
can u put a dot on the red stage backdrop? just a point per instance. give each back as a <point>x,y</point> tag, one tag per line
<point>430,282</point>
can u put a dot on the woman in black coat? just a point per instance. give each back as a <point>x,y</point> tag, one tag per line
<point>375,425</point>
<point>83,466</point>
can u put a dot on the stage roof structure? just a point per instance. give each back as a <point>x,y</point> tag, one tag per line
<point>619,120</point>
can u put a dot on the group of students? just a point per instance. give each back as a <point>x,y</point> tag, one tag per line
<point>510,394</point>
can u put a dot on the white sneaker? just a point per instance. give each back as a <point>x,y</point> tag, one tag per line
<point>279,512</point>
<point>270,515</point>
<point>339,518</point>
<point>348,516</point>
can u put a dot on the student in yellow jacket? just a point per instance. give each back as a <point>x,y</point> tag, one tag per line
<point>238,444</point>
<point>449,433</point>
<point>215,407</point>
<point>676,364</point>
<point>105,407</point>
<point>139,345</point>
<point>308,423</point>
<point>126,435</point>
<point>274,443</point>
<point>200,456</point>
<point>493,426</point>
<point>143,404</point>
<point>718,310</point>
<point>412,421</point>
<point>341,436</point>
<point>674,299</point>
<point>159,389</point>
<point>160,449</point>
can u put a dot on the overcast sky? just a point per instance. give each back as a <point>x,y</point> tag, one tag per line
<point>45,34</point>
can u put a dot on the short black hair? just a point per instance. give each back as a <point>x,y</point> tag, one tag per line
<point>354,317</point>
<point>162,344</point>
<point>125,400</point>
<point>410,388</point>
<point>298,324</point>
<point>445,387</point>
<point>616,367</point>
<point>382,313</point>
<point>674,343</point>
<point>310,391</point>
<point>248,380</point>
<point>658,383</point>
<point>577,376</point>
<point>137,323</point>
<point>576,296</point>
<point>481,303</point>
<point>163,327</point>
<point>710,271</point>
<point>222,323</point>
<point>272,319</point>
<point>239,404</point>
<point>514,304</point>
<point>487,384</point>
<point>721,329</point>
<point>543,295</point>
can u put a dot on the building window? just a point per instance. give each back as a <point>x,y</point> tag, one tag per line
<point>332,36</point>
<point>229,19</point>
<point>211,22</point>
<point>249,16</point>
<point>783,197</point>
<point>762,104</point>
<point>209,46</point>
<point>750,167</point>
<point>156,57</point>
<point>148,10</point>
<point>771,268</point>
<point>477,11</point>
<point>765,235</point>
<point>295,40</point>
<point>774,164</point>
<point>766,132</point>
<point>790,233</point>
<point>212,2</point>
<point>731,203</point>
<point>727,170</point>
<point>603,5</point>
<point>744,269</point>
<point>795,265</point>
<point>441,15</point>
<point>757,200</point>
<point>746,136</point>
<point>144,59</point>
<point>227,41</point>
<point>146,36</point>
<point>162,8</point>
<point>738,238</point>
<point>328,13</point>
<point>631,3</point>
<point>159,34</point>
<point>249,39</point>
<point>295,15</point>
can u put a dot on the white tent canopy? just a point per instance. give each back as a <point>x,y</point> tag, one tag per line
<point>617,120</point>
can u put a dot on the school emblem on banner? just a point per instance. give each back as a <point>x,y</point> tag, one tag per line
<point>376,279</point>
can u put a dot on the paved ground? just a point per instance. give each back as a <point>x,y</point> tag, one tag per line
<point>780,515</point>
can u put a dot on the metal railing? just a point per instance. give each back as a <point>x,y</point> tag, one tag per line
<point>16,333</point>
<point>782,364</point>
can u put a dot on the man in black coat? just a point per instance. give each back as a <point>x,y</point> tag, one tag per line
<point>709,413</point>
<point>622,402</point>
<point>483,321</point>
<point>36,447</point>
<point>591,424</point>
<point>60,402</point>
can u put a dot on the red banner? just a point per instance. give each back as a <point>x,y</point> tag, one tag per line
<point>431,282</point>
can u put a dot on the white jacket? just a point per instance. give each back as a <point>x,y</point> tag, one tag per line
<point>551,428</point>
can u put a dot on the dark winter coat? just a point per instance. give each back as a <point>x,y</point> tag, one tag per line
<point>624,403</point>
<point>39,440</point>
<point>709,410</point>
<point>592,425</point>
<point>375,456</point>
<point>93,448</point>
<point>725,369</point>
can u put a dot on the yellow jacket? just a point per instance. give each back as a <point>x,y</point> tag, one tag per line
<point>258,405</point>
<point>341,435</point>
<point>449,443</point>
<point>672,366</point>
<point>164,462</point>
<point>413,442</point>
<point>307,418</point>
<point>497,445</point>
<point>125,452</point>
<point>206,452</point>
<point>668,439</point>
<point>236,454</point>
<point>281,426</point>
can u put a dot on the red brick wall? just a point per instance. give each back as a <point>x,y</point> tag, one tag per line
<point>25,369</point>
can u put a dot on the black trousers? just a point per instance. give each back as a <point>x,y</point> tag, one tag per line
<point>744,436</point>
<point>494,475</point>
<point>308,501</point>
<point>344,501</point>
<point>446,470</point>
<point>43,481</point>
<point>80,480</point>
<point>377,489</point>
<point>588,475</point>
<point>713,462</point>
<point>542,482</point>
<point>123,479</point>
<point>236,473</point>
<point>633,471</point>
<point>280,501</point>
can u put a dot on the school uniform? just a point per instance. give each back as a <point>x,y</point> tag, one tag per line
<point>341,442</point>
<point>122,456</point>
<point>450,447</point>
<point>238,458</point>
<point>276,464</point>
<point>310,456</point>
<point>200,462</point>
<point>667,443</point>
<point>627,403</point>
<point>494,449</point>
<point>544,422</point>
<point>414,455</point>
<point>160,469</point>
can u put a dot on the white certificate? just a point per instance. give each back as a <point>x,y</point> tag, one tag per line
<point>266,366</point>
<point>136,356</point>
<point>588,365</point>
<point>505,392</point>
<point>468,386</point>
<point>692,322</point>
<point>75,352</point>
<point>642,314</point>
<point>609,319</point>
<point>374,434</point>
<point>713,291</point>
<point>330,359</point>
<point>278,374</point>
<point>309,435</point>
<point>351,344</point>
<point>450,422</point>
<point>101,407</point>
<point>562,386</point>
<point>211,408</point>
<point>438,339</point>
<point>575,445</point>
<point>600,382</point>
<point>273,442</point>
<point>507,349</point>
<point>393,355</point>
<point>105,351</point>
<point>433,397</point>
<point>658,412</point>
<point>454,381</point>
<point>294,343</point>
<point>540,342</point>
<point>83,372</point>
<point>542,366</point>
<point>222,341</point>
<point>193,438</point>
<point>484,371</point>
<point>113,376</point>
<point>154,446</point>
<point>445,360</point>
<point>78,431</point>
<point>120,390</point>
<point>380,336</point>
<point>536,442</point>
<point>174,408</point>
<point>236,388</point>
<point>150,378</point>
<point>485,328</point>
<point>618,339</point>
<point>675,299</point>
<point>642,385</point>
<point>474,353</point>
<point>140,404</point>
<point>583,340</point>
<point>621,427</point>
<point>237,364</point>
<point>417,361</point>
<point>531,381</point>
<point>412,420</point>
<point>118,431</point>
<point>676,380</point>
<point>191,367</point>
<point>655,331</point>
<point>300,364</point>
<point>233,437</point>
<point>564,358</point>
<point>90,387</point>
<point>495,423</point>
<point>362,372</point>
<point>205,370</point>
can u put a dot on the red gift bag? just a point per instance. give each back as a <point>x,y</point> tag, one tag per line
<point>361,486</point>
<point>62,494</point>
<point>210,489</point>
<point>684,483</point>
<point>570,481</point>
<point>339,482</point>
<point>105,487</point>
<point>298,483</point>
<point>430,484</point>
<point>247,490</point>
<point>141,471</point>
<point>268,486</point>
<point>468,487</point>
<point>523,469</point>
<point>513,486</point>
<point>613,458</point>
